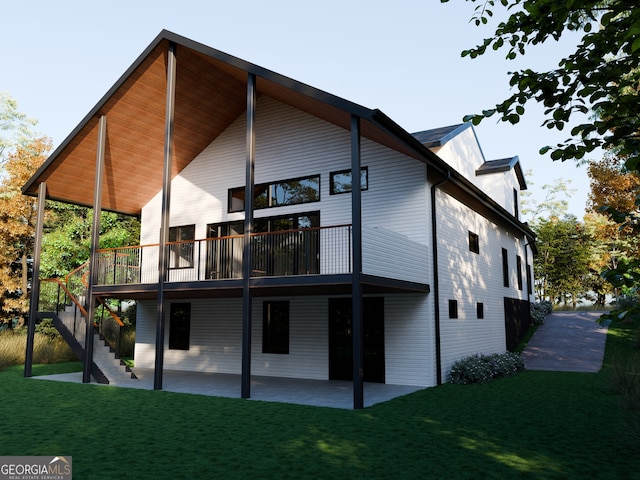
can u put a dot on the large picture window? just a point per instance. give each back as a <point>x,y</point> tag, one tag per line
<point>275,327</point>
<point>179,326</point>
<point>277,194</point>
<point>340,182</point>
<point>181,246</point>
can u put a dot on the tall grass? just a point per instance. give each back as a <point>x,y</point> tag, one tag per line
<point>13,347</point>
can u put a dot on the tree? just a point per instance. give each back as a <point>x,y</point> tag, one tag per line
<point>552,205</point>
<point>15,127</point>
<point>593,91</point>
<point>17,224</point>
<point>562,265</point>
<point>67,236</point>
<point>612,185</point>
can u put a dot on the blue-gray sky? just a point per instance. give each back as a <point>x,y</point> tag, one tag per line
<point>403,57</point>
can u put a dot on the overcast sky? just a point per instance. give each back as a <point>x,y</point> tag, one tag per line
<point>403,57</point>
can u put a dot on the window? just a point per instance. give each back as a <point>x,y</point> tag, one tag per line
<point>516,212</point>
<point>480,310</point>
<point>474,242</point>
<point>529,280</point>
<point>276,194</point>
<point>179,326</point>
<point>275,327</point>
<point>181,246</point>
<point>519,272</point>
<point>505,267</point>
<point>340,182</point>
<point>453,309</point>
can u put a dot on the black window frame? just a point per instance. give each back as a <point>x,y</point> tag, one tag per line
<point>181,254</point>
<point>179,326</point>
<point>480,310</point>
<point>453,309</point>
<point>505,267</point>
<point>348,185</point>
<point>474,242</point>
<point>516,207</point>
<point>519,271</point>
<point>528,270</point>
<point>237,195</point>
<point>276,323</point>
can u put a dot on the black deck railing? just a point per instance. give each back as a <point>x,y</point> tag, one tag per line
<point>307,251</point>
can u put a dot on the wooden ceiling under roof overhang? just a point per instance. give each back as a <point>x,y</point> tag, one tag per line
<point>210,93</point>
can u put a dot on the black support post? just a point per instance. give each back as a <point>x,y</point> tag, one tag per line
<point>164,216</point>
<point>95,237</point>
<point>35,281</point>
<point>356,288</point>
<point>247,259</point>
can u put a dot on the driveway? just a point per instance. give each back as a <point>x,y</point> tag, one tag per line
<point>567,342</point>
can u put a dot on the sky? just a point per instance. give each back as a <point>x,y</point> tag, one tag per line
<point>403,57</point>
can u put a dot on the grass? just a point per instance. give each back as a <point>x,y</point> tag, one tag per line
<point>45,350</point>
<point>533,425</point>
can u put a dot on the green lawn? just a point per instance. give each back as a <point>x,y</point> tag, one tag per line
<point>533,425</point>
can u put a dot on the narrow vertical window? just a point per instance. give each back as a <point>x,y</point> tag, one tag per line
<point>474,242</point>
<point>179,326</point>
<point>453,309</point>
<point>529,291</point>
<point>516,209</point>
<point>519,272</point>
<point>480,310</point>
<point>505,267</point>
<point>275,327</point>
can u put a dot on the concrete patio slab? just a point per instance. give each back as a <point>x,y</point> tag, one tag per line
<point>321,393</point>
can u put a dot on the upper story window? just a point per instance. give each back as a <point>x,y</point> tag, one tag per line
<point>181,246</point>
<point>474,242</point>
<point>277,194</point>
<point>340,182</point>
<point>516,210</point>
<point>519,272</point>
<point>505,267</point>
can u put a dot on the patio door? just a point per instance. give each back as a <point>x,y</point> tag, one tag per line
<point>341,339</point>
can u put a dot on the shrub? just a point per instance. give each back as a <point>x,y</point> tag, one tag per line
<point>539,311</point>
<point>481,368</point>
<point>46,328</point>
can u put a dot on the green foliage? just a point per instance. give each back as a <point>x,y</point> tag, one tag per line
<point>562,265</point>
<point>539,311</point>
<point>593,92</point>
<point>484,368</point>
<point>46,328</point>
<point>67,239</point>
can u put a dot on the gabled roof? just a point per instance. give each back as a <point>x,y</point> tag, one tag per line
<point>504,165</point>
<point>210,93</point>
<point>436,137</point>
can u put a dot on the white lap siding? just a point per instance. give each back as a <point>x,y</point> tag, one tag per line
<point>292,144</point>
<point>469,278</point>
<point>216,338</point>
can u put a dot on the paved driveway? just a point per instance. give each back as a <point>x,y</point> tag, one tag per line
<point>567,342</point>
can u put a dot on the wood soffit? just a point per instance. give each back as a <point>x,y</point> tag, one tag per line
<point>210,95</point>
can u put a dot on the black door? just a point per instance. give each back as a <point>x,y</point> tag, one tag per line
<point>341,339</point>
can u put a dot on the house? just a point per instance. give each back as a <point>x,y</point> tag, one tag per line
<point>306,276</point>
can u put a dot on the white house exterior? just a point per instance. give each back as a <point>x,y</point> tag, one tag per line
<point>426,263</point>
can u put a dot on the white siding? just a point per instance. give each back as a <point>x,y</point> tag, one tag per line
<point>470,278</point>
<point>290,144</point>
<point>216,337</point>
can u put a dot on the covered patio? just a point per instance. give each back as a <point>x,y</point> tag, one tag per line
<point>318,393</point>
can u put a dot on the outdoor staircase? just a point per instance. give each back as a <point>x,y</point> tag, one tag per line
<point>107,367</point>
